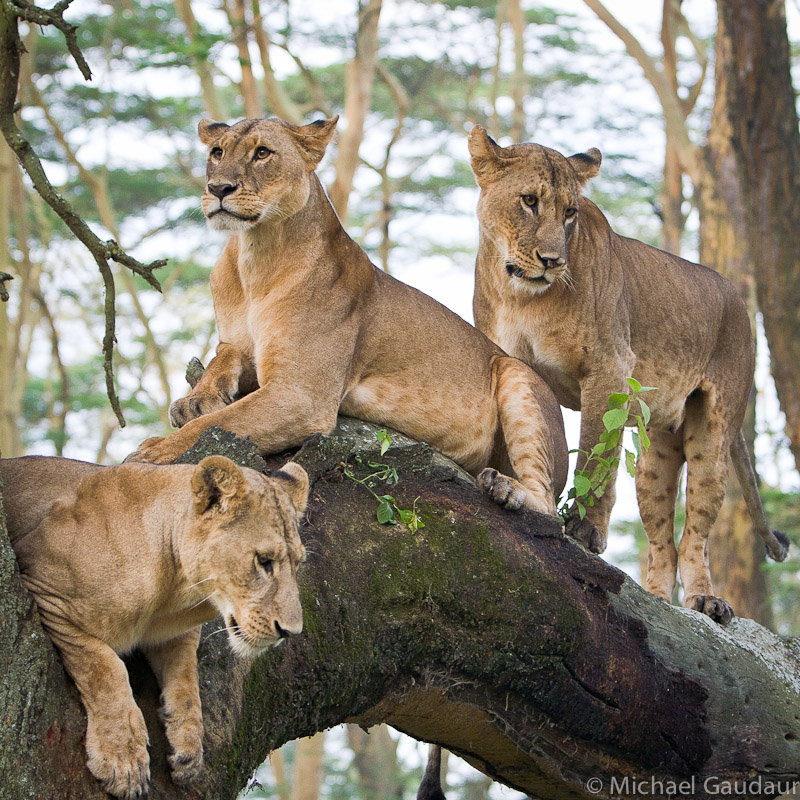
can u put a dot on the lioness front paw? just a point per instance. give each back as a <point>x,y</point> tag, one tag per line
<point>587,533</point>
<point>715,607</point>
<point>119,761</point>
<point>185,766</point>
<point>185,738</point>
<point>156,450</point>
<point>505,491</point>
<point>185,409</point>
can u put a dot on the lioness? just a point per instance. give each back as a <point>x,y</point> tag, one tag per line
<point>309,328</point>
<point>555,286</point>
<point>141,556</point>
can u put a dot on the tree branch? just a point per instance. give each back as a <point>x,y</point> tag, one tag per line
<point>28,12</point>
<point>487,632</point>
<point>10,49</point>
<point>670,102</point>
<point>4,276</point>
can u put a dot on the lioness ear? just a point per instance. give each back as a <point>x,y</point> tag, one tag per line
<point>218,485</point>
<point>586,165</point>
<point>209,131</point>
<point>293,479</point>
<point>312,139</point>
<point>486,154</point>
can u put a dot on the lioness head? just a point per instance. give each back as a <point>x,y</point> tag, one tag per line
<point>529,205</point>
<point>259,168</point>
<point>245,545</point>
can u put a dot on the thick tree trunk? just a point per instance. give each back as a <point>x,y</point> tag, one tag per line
<point>735,550</point>
<point>485,631</point>
<point>761,104</point>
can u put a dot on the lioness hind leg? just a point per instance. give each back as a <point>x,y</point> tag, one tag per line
<point>116,735</point>
<point>706,449</point>
<point>529,442</point>
<point>175,666</point>
<point>657,476</point>
<point>230,375</point>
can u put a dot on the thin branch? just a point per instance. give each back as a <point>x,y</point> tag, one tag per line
<point>670,102</point>
<point>28,12</point>
<point>62,370</point>
<point>4,276</point>
<point>10,49</point>
<point>318,99</point>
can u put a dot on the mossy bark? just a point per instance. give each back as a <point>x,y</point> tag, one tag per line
<point>487,632</point>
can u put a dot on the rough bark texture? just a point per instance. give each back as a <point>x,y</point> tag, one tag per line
<point>763,118</point>
<point>485,631</point>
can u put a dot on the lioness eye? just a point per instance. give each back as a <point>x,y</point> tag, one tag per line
<point>263,152</point>
<point>530,200</point>
<point>265,562</point>
<point>570,213</point>
<point>216,152</point>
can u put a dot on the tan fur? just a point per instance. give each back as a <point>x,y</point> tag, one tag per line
<point>141,556</point>
<point>304,316</point>
<point>556,287</point>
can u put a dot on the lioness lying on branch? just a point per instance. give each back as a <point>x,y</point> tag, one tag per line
<point>309,328</point>
<point>141,556</point>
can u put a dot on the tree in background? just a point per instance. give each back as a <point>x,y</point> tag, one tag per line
<point>400,159</point>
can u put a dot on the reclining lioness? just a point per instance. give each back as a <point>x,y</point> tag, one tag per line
<point>141,556</point>
<point>310,328</point>
<point>555,286</point>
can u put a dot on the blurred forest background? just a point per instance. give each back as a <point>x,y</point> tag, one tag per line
<point>646,83</point>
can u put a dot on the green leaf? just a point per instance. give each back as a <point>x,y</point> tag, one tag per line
<point>617,400</point>
<point>406,515</point>
<point>634,384</point>
<point>385,440</point>
<point>637,444</point>
<point>385,512</point>
<point>615,418</point>
<point>645,410</point>
<point>581,509</point>
<point>630,463</point>
<point>645,439</point>
<point>582,485</point>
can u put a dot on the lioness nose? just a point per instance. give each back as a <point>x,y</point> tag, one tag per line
<point>549,260</point>
<point>285,633</point>
<point>221,189</point>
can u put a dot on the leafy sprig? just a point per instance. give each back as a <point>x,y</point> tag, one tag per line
<point>601,462</point>
<point>388,512</point>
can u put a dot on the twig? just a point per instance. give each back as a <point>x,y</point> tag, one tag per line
<point>10,49</point>
<point>55,16</point>
<point>4,276</point>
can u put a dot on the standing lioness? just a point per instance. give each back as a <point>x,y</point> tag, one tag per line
<point>310,328</point>
<point>555,286</point>
<point>141,556</point>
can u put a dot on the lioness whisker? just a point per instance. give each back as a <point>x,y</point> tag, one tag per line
<point>200,602</point>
